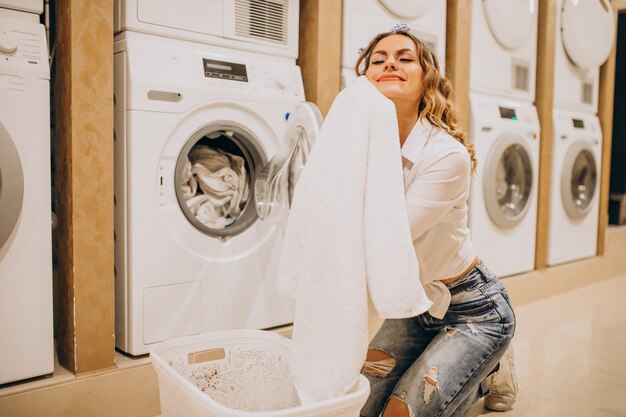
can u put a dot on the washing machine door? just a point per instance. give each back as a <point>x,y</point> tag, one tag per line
<point>508,180</point>
<point>407,9</point>
<point>275,184</point>
<point>579,180</point>
<point>11,186</point>
<point>588,29</point>
<point>510,21</point>
<point>214,179</point>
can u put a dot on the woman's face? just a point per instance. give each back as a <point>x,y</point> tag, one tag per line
<point>395,70</point>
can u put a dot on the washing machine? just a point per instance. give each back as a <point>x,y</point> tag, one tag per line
<point>503,192</point>
<point>262,26</point>
<point>191,254</point>
<point>584,38</point>
<point>363,19</point>
<point>25,208</point>
<point>575,190</point>
<point>503,57</point>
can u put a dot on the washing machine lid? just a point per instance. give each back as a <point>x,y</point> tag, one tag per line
<point>579,180</point>
<point>508,180</point>
<point>11,186</point>
<point>407,9</point>
<point>587,30</point>
<point>275,185</point>
<point>510,21</point>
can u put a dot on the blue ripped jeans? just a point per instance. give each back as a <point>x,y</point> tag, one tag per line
<point>440,364</point>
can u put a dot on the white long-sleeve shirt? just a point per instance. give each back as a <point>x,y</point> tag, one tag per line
<point>436,182</point>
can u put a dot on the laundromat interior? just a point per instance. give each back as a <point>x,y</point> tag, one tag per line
<point>107,247</point>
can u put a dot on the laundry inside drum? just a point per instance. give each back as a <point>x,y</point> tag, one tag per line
<point>213,182</point>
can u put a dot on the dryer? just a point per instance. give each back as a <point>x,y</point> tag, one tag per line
<point>584,38</point>
<point>262,26</point>
<point>575,191</point>
<point>179,270</point>
<point>363,19</point>
<point>503,193</point>
<point>503,57</point>
<point>25,208</point>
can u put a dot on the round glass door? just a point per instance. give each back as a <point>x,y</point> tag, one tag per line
<point>579,180</point>
<point>510,21</point>
<point>407,9</point>
<point>591,46</point>
<point>508,181</point>
<point>11,186</point>
<point>275,185</point>
<point>214,179</point>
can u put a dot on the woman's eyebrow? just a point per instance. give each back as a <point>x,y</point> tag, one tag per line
<point>398,52</point>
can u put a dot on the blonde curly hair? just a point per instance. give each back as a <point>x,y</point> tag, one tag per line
<point>436,104</point>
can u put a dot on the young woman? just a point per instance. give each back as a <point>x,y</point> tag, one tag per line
<point>433,364</point>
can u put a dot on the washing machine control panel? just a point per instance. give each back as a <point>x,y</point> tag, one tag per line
<point>576,125</point>
<point>264,78</point>
<point>23,49</point>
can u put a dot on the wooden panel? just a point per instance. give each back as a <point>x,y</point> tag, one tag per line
<point>605,114</point>
<point>458,40</point>
<point>320,50</point>
<point>544,101</point>
<point>83,89</point>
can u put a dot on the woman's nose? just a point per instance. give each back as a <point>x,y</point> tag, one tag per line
<point>390,64</point>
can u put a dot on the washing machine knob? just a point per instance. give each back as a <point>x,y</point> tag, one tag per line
<point>8,44</point>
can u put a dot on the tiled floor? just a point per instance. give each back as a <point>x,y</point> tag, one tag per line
<point>570,353</point>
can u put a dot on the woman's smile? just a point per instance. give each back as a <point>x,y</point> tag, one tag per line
<point>390,77</point>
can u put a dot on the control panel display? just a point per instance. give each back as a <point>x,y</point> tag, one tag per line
<point>224,70</point>
<point>507,113</point>
<point>578,123</point>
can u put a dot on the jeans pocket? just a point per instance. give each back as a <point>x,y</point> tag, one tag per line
<point>474,308</point>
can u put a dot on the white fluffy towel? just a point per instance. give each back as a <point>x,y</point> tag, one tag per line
<point>348,234</point>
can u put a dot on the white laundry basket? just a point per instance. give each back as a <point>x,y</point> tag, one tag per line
<point>238,373</point>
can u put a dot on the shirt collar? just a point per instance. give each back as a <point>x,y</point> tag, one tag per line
<point>416,140</point>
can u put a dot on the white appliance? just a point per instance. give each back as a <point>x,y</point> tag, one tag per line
<point>503,195</point>
<point>31,6</point>
<point>25,229</point>
<point>574,199</point>
<point>262,26</point>
<point>584,39</point>
<point>504,48</point>
<point>363,19</point>
<point>175,275</point>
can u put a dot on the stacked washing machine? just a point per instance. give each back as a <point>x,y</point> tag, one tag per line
<point>505,133</point>
<point>203,90</point>
<point>363,19</point>
<point>584,38</point>
<point>25,229</point>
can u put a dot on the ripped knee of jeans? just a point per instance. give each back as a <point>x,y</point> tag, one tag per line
<point>378,363</point>
<point>396,407</point>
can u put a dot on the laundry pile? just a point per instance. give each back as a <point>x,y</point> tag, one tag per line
<point>214,185</point>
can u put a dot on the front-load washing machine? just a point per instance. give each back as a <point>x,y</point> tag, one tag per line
<point>195,125</point>
<point>363,19</point>
<point>584,38</point>
<point>262,26</point>
<point>25,229</point>
<point>504,48</point>
<point>574,200</point>
<point>503,193</point>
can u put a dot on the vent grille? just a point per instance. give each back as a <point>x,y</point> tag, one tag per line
<point>262,19</point>
<point>521,75</point>
<point>587,92</point>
